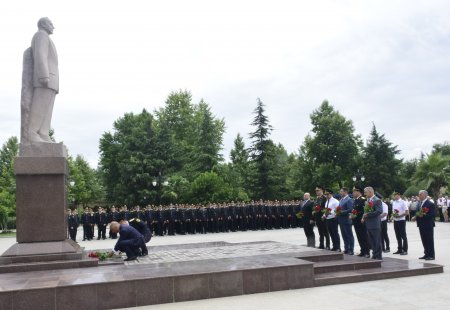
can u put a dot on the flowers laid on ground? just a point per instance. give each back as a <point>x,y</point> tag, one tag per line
<point>422,212</point>
<point>368,207</point>
<point>299,215</point>
<point>354,214</point>
<point>316,209</point>
<point>100,255</point>
<point>338,210</point>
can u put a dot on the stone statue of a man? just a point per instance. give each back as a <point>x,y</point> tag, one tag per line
<point>40,84</point>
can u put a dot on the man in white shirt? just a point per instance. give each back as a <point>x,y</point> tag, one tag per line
<point>440,204</point>
<point>445,208</point>
<point>384,229</point>
<point>399,213</point>
<point>331,221</point>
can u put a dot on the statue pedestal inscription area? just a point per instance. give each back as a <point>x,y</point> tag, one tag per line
<point>41,179</point>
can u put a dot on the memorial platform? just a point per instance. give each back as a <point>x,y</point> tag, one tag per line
<point>184,272</point>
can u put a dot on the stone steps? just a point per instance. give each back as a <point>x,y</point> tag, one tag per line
<point>347,263</point>
<point>342,273</point>
<point>48,265</point>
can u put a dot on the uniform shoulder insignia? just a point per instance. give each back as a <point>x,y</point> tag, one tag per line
<point>138,220</point>
<point>363,198</point>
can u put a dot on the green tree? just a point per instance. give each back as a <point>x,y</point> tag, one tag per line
<point>328,155</point>
<point>177,117</point>
<point>263,157</point>
<point>208,187</point>
<point>381,167</point>
<point>8,152</point>
<point>443,148</point>
<point>129,160</point>
<point>239,162</point>
<point>87,186</point>
<point>208,136</point>
<point>433,173</point>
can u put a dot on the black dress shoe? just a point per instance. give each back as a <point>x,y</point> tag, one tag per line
<point>322,247</point>
<point>130,258</point>
<point>423,257</point>
<point>386,251</point>
<point>367,255</point>
<point>404,253</point>
<point>361,254</point>
<point>350,253</point>
<point>429,258</point>
<point>398,252</point>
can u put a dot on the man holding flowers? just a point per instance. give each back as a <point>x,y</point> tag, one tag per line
<point>371,218</point>
<point>426,211</point>
<point>399,213</point>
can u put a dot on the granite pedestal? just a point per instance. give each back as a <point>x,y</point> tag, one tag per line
<point>196,271</point>
<point>41,199</point>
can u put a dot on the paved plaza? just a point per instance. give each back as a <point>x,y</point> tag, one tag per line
<point>420,292</point>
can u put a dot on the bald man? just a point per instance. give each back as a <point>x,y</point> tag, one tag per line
<point>130,241</point>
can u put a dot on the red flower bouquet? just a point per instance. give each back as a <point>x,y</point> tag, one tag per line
<point>368,207</point>
<point>316,209</point>
<point>338,210</point>
<point>354,213</point>
<point>422,212</point>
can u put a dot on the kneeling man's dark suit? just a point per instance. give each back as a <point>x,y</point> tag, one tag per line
<point>130,241</point>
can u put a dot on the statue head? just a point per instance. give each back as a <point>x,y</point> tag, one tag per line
<point>46,24</point>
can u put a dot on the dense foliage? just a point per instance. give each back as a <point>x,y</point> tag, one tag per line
<point>174,155</point>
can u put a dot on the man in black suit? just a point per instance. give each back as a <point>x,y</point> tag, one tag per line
<point>360,228</point>
<point>324,235</point>
<point>308,220</point>
<point>426,212</point>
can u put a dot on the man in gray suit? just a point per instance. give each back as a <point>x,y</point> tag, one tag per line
<point>373,222</point>
<point>45,82</point>
<point>344,221</point>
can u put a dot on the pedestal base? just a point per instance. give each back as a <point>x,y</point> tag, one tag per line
<point>42,251</point>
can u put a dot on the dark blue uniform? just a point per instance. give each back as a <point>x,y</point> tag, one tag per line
<point>130,241</point>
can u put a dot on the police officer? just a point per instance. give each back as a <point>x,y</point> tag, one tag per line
<point>320,202</point>
<point>72,222</point>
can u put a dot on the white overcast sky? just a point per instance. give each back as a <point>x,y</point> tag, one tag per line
<point>386,62</point>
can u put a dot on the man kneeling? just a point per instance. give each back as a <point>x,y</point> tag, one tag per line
<point>142,228</point>
<point>130,240</point>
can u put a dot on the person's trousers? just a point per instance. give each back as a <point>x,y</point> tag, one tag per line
<point>400,234</point>
<point>384,236</point>
<point>323,233</point>
<point>332,227</point>
<point>427,236</point>
<point>361,235</point>
<point>101,231</point>
<point>73,233</point>
<point>309,233</point>
<point>131,246</point>
<point>375,241</point>
<point>347,236</point>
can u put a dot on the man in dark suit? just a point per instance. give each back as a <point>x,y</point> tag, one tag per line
<point>308,220</point>
<point>344,221</point>
<point>130,241</point>
<point>426,212</point>
<point>360,228</point>
<point>321,200</point>
<point>373,222</point>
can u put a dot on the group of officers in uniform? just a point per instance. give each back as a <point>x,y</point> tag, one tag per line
<point>326,212</point>
<point>191,219</point>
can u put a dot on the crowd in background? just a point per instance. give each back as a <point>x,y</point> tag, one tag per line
<point>213,218</point>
